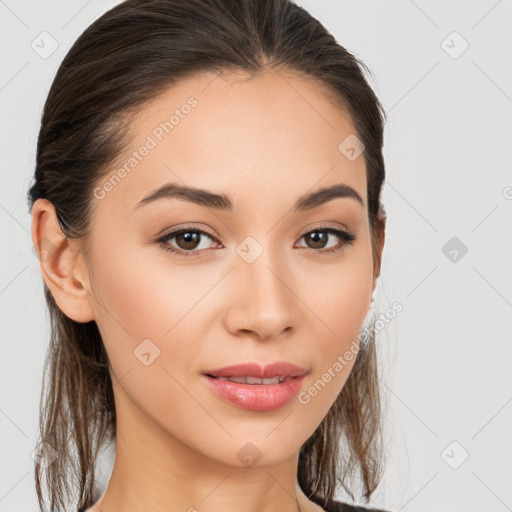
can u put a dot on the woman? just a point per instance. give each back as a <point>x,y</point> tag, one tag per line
<point>206,209</point>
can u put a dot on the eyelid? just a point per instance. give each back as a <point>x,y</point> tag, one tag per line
<point>185,227</point>
<point>325,225</point>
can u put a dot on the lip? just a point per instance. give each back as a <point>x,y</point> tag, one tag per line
<point>257,397</point>
<point>259,370</point>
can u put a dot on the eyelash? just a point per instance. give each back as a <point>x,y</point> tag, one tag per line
<point>346,238</point>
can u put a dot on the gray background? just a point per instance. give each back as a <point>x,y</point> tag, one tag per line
<point>447,357</point>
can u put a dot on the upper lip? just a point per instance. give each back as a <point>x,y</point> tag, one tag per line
<point>262,371</point>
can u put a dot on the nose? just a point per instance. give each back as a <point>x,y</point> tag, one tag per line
<point>262,300</point>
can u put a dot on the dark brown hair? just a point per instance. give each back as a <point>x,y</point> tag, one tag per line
<point>126,58</point>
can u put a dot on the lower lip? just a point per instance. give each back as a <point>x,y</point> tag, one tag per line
<point>256,397</point>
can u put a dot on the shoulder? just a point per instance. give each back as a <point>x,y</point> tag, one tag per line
<point>338,506</point>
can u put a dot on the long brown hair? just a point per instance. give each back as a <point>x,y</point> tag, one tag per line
<point>127,57</point>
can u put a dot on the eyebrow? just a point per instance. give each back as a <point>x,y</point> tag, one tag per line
<point>222,202</point>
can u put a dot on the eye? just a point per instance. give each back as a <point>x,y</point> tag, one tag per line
<point>187,239</point>
<point>321,235</point>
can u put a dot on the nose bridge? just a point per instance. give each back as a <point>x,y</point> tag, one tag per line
<point>264,300</point>
<point>265,265</point>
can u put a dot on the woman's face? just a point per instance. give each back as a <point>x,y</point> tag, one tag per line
<point>263,281</point>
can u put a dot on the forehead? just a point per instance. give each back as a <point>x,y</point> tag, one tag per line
<point>235,131</point>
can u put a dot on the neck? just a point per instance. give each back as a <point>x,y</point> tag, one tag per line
<point>155,471</point>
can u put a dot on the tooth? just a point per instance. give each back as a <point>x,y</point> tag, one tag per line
<point>239,380</point>
<point>253,380</point>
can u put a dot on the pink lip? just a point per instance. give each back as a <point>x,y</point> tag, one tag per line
<point>278,369</point>
<point>257,397</point>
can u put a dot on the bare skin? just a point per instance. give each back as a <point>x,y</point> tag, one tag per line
<point>264,141</point>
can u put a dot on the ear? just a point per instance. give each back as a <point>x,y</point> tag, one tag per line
<point>381,219</point>
<point>63,272</point>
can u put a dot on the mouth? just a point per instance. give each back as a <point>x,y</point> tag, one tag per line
<point>257,387</point>
<point>253,380</point>
<point>255,373</point>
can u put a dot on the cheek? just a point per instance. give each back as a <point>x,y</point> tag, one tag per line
<point>340,299</point>
<point>151,312</point>
<point>340,295</point>
<point>149,325</point>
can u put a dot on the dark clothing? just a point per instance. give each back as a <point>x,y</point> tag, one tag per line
<point>337,506</point>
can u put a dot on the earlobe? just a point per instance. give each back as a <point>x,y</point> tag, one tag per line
<point>63,273</point>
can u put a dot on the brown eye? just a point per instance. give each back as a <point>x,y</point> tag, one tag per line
<point>188,240</point>
<point>187,243</point>
<point>318,239</point>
